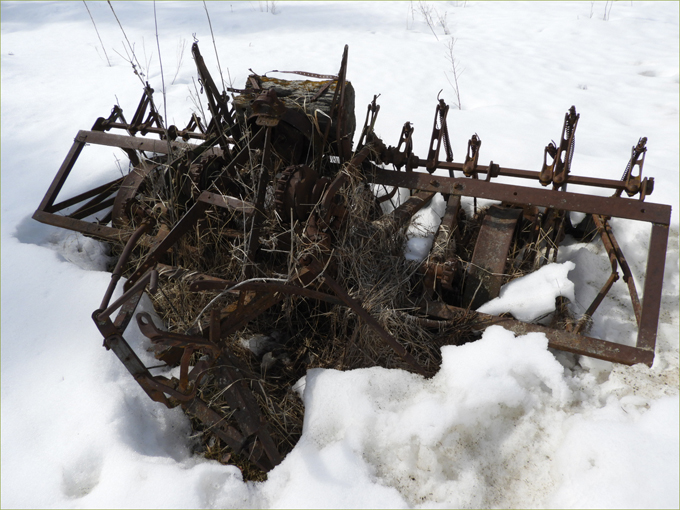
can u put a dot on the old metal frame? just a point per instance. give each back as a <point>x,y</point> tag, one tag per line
<point>656,214</point>
<point>314,279</point>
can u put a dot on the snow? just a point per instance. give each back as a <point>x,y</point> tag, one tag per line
<point>506,422</point>
<point>532,296</point>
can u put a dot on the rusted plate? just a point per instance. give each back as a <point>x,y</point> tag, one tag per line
<point>486,271</point>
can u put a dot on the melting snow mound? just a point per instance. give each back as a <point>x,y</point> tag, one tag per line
<point>477,434</point>
<point>533,295</point>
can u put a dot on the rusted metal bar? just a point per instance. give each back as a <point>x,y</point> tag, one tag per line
<point>150,278</point>
<point>134,365</point>
<point>403,214</point>
<point>228,202</point>
<point>91,208</point>
<point>166,338</point>
<point>439,266</point>
<point>139,144</point>
<point>343,142</point>
<point>561,340</point>
<point>122,260</point>
<point>125,314</point>
<point>182,226</point>
<point>103,190</point>
<point>522,174</point>
<point>217,102</point>
<point>613,248</point>
<point>439,135</point>
<point>63,173</point>
<point>651,296</point>
<point>583,321</point>
<point>567,201</point>
<point>157,131</point>
<point>84,227</point>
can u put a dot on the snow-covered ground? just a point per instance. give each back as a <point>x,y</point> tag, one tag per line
<point>506,422</point>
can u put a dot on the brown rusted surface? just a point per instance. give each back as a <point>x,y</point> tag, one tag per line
<point>487,267</point>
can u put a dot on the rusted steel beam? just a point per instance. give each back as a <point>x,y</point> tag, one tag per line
<point>564,200</point>
<point>103,190</point>
<point>651,296</point>
<point>84,227</point>
<point>63,173</point>
<point>562,340</point>
<point>401,215</point>
<point>140,144</point>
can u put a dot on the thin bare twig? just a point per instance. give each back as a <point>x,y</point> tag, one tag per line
<point>160,61</point>
<point>98,36</point>
<point>214,45</point>
<point>180,57</point>
<point>455,68</point>
<point>426,12</point>
<point>132,50</point>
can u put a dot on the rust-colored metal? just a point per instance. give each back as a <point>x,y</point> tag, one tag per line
<point>487,268</point>
<point>304,167</point>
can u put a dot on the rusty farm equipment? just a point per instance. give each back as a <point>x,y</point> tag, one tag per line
<point>267,245</point>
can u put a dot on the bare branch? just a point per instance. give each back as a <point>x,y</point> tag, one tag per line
<point>455,69</point>
<point>98,36</point>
